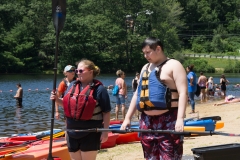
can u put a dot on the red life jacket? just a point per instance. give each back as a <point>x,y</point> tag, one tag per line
<point>78,104</point>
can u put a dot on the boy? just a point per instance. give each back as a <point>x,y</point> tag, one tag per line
<point>158,113</point>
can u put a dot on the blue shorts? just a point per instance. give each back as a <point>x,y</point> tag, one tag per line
<point>120,99</point>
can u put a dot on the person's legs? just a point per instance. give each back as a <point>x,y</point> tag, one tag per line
<point>161,146</point>
<point>118,102</point>
<point>84,148</point>
<point>116,111</point>
<point>20,102</point>
<point>75,155</point>
<point>192,102</point>
<point>203,93</point>
<point>122,100</point>
<point>90,155</point>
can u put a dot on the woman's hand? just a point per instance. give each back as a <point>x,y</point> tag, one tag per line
<point>104,137</point>
<point>53,95</point>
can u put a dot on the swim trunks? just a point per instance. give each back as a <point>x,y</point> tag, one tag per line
<point>157,146</point>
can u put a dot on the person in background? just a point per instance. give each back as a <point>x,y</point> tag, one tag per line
<point>19,95</point>
<point>85,145</point>
<point>227,101</point>
<point>122,93</point>
<point>223,83</point>
<point>158,113</point>
<point>210,87</point>
<point>217,90</point>
<point>192,86</point>
<point>202,81</point>
<point>69,73</point>
<point>135,82</point>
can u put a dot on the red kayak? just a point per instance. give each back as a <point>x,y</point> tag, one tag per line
<point>116,122</point>
<point>111,142</point>
<point>127,138</point>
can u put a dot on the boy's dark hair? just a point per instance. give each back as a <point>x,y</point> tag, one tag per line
<point>152,42</point>
<point>19,85</point>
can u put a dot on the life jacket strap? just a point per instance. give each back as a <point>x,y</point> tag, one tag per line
<point>87,94</point>
<point>144,87</point>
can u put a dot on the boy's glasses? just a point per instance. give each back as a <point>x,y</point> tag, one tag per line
<point>79,71</point>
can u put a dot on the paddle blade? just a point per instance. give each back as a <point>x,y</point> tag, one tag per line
<point>58,14</point>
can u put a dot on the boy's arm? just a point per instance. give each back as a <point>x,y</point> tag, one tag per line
<point>180,78</point>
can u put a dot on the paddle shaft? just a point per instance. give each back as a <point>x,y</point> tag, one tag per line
<point>58,14</point>
<point>188,133</point>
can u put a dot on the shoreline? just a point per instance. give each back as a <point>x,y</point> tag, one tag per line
<point>229,114</point>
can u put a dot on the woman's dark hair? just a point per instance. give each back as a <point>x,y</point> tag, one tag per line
<point>201,73</point>
<point>190,67</point>
<point>223,76</point>
<point>152,42</point>
<point>19,84</point>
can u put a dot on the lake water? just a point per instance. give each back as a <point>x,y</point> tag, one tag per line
<point>36,112</point>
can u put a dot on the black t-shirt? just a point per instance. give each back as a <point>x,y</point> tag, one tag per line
<point>101,95</point>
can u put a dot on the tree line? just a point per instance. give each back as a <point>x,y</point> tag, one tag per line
<point>110,32</point>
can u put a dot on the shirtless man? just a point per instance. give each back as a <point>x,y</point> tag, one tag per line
<point>156,114</point>
<point>202,82</point>
<point>19,95</point>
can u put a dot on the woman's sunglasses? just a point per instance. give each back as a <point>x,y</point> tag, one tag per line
<point>70,71</point>
<point>79,71</point>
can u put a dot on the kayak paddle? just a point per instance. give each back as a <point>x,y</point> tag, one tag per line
<point>59,16</point>
<point>187,133</point>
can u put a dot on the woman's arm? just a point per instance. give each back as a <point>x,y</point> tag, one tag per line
<point>106,122</point>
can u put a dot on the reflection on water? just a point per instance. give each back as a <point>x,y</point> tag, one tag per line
<point>35,115</point>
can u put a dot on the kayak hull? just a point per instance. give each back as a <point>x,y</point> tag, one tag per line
<point>39,151</point>
<point>111,142</point>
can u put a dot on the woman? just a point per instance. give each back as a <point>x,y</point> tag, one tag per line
<point>85,145</point>
<point>69,73</point>
<point>122,93</point>
<point>223,83</point>
<point>192,86</point>
<point>135,82</point>
<point>210,87</point>
<point>202,81</point>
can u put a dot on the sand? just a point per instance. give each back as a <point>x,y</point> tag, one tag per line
<point>229,113</point>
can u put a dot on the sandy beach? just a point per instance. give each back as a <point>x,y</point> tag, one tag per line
<point>229,113</point>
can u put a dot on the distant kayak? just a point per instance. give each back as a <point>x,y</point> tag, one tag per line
<point>43,133</point>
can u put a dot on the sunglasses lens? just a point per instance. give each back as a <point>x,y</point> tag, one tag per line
<point>78,71</point>
<point>71,71</point>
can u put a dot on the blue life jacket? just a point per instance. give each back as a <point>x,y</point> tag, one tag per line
<point>152,93</point>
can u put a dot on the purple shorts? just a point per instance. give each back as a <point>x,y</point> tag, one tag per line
<point>157,146</point>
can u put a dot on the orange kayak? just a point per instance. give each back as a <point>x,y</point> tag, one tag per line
<point>39,151</point>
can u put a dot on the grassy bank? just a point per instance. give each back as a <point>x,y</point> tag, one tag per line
<point>217,62</point>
